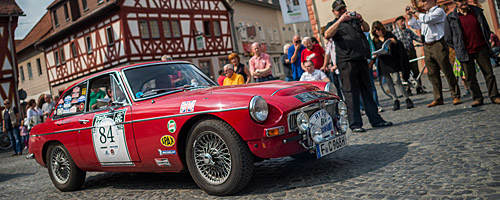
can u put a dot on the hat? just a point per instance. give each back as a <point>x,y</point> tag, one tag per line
<point>338,4</point>
<point>400,18</point>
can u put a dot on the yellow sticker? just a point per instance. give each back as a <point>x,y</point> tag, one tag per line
<point>84,91</point>
<point>167,140</point>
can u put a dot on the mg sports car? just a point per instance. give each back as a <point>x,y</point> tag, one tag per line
<point>170,117</point>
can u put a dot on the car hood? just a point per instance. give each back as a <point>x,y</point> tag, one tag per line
<point>280,94</point>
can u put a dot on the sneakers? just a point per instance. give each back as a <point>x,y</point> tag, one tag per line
<point>456,101</point>
<point>477,102</point>
<point>409,103</point>
<point>435,103</point>
<point>396,105</point>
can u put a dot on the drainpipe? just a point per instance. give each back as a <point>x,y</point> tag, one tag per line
<point>14,66</point>
<point>233,31</point>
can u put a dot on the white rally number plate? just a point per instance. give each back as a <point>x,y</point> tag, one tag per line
<point>330,146</point>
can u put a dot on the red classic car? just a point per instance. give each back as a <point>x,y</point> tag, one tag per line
<point>169,116</point>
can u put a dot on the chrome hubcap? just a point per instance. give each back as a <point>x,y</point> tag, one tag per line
<point>212,158</point>
<point>60,165</point>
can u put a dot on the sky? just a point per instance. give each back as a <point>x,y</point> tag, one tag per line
<point>34,10</point>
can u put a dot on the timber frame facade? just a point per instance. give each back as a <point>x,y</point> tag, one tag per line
<point>92,35</point>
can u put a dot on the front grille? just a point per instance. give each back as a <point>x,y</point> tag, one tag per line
<point>330,107</point>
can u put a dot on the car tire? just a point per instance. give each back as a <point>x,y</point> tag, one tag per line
<point>304,156</point>
<point>63,172</point>
<point>218,159</point>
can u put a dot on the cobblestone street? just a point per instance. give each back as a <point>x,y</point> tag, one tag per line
<point>445,152</point>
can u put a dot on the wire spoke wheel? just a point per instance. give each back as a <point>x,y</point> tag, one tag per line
<point>60,165</point>
<point>212,157</point>
<point>5,142</point>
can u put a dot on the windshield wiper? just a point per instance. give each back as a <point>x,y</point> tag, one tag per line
<point>159,91</point>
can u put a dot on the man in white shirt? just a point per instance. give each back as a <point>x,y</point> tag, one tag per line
<point>313,74</point>
<point>435,49</point>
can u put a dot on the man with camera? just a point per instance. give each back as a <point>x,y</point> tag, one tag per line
<point>467,31</point>
<point>352,50</point>
<point>436,50</point>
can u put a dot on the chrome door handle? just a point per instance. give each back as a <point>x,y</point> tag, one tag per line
<point>83,121</point>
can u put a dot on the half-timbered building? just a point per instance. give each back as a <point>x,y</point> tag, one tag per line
<point>9,13</point>
<point>93,35</point>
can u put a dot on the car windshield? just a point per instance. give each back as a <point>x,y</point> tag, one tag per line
<point>165,77</point>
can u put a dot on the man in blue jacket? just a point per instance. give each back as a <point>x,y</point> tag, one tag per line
<point>467,31</point>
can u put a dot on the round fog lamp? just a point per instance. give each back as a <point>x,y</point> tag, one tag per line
<point>316,134</point>
<point>342,108</point>
<point>343,124</point>
<point>302,121</point>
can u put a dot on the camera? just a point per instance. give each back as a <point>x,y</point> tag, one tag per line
<point>352,14</point>
<point>408,8</point>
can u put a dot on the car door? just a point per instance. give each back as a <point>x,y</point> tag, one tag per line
<point>109,140</point>
<point>66,120</point>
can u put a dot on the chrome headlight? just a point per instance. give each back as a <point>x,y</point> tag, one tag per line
<point>342,108</point>
<point>330,87</point>
<point>258,109</point>
<point>316,134</point>
<point>302,121</point>
<point>343,124</point>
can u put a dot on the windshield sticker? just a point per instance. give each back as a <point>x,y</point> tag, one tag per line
<point>108,137</point>
<point>187,106</point>
<point>162,162</point>
<point>75,95</point>
<point>81,99</point>
<point>67,99</point>
<point>60,109</point>
<point>166,152</point>
<point>84,91</point>
<point>138,95</point>
<point>81,106</point>
<point>172,126</point>
<point>76,89</point>
<point>72,109</point>
<point>167,140</point>
<point>74,101</point>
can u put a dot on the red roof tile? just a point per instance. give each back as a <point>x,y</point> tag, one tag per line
<point>39,31</point>
<point>9,7</point>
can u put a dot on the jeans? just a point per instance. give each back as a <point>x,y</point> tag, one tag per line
<point>496,51</point>
<point>288,79</point>
<point>335,79</point>
<point>15,138</point>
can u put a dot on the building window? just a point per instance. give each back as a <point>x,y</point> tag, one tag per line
<point>276,35</point>
<point>56,21</point>
<point>223,61</point>
<point>166,29</point>
<point>30,73</point>
<point>217,28</point>
<point>56,57</point>
<point>143,28</point>
<point>66,14</point>
<point>206,28</point>
<point>21,72</point>
<point>206,67</point>
<point>73,49</point>
<point>63,58</point>
<point>155,31</point>
<point>89,45</point>
<point>176,29</point>
<point>262,34</point>
<point>39,66</point>
<point>109,34</point>
<point>84,5</point>
<point>271,35</point>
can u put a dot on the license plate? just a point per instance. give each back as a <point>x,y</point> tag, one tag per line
<point>330,146</point>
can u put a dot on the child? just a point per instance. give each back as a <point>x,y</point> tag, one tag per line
<point>24,133</point>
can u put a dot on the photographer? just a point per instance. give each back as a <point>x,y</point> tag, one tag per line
<point>352,50</point>
<point>435,49</point>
